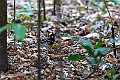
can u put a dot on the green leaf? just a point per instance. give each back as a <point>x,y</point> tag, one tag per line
<point>92,60</point>
<point>67,19</point>
<point>75,38</point>
<point>86,42</point>
<point>75,57</point>
<point>111,74</point>
<point>28,18</point>
<point>87,45</point>
<point>96,26</point>
<point>99,17</point>
<point>112,71</point>
<point>116,1</point>
<point>99,4</point>
<point>83,10</point>
<point>100,51</point>
<point>8,20</point>
<point>19,31</point>
<point>66,35</point>
<point>105,24</point>
<point>75,18</point>
<point>103,9</point>
<point>112,40</point>
<point>98,44</point>
<point>4,27</point>
<point>89,49</point>
<point>49,20</point>
<point>42,17</point>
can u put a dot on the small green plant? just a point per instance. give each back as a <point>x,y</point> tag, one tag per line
<point>26,11</point>
<point>94,51</point>
<point>111,74</point>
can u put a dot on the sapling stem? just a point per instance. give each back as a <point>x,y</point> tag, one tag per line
<point>113,32</point>
<point>44,10</point>
<point>54,7</point>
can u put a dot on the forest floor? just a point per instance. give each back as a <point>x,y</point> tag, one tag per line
<point>76,22</point>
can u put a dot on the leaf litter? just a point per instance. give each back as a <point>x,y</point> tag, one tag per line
<point>75,24</point>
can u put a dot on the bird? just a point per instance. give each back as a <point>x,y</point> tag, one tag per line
<point>48,41</point>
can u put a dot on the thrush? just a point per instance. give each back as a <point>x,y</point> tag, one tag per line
<point>49,41</point>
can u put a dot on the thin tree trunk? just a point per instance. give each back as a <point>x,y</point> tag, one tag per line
<point>44,10</point>
<point>3,36</point>
<point>54,7</point>
<point>57,6</point>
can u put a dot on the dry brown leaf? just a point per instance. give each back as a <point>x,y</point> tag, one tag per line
<point>54,46</point>
<point>110,59</point>
<point>9,48</point>
<point>70,42</point>
<point>53,57</point>
<point>12,53</point>
<point>21,54</point>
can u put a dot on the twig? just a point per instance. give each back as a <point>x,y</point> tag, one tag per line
<point>113,33</point>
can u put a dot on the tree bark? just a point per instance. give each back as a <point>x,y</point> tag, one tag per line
<point>3,36</point>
